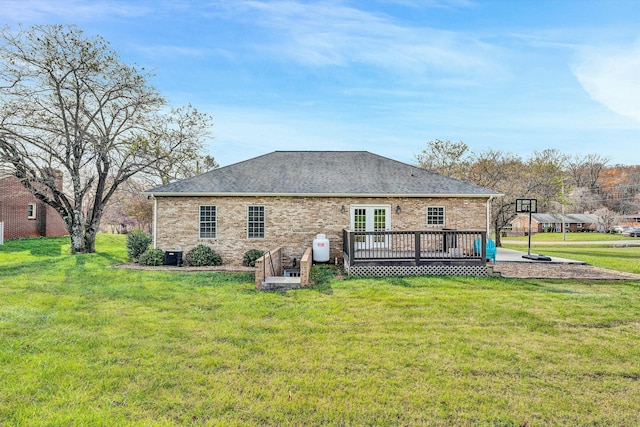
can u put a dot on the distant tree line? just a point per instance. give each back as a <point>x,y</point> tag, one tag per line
<point>577,183</point>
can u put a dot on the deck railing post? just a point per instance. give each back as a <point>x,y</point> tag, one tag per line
<point>484,247</point>
<point>417,247</point>
<point>352,252</point>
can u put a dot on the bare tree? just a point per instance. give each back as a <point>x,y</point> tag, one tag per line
<point>545,177</point>
<point>185,127</point>
<point>582,200</point>
<point>502,172</point>
<point>68,103</point>
<point>584,171</point>
<point>444,157</point>
<point>606,218</point>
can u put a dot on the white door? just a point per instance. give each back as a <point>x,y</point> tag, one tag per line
<point>370,218</point>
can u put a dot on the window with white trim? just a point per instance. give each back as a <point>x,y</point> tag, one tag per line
<point>208,222</point>
<point>255,222</point>
<point>435,215</point>
<point>31,211</point>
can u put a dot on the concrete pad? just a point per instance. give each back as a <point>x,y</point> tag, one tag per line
<point>510,255</point>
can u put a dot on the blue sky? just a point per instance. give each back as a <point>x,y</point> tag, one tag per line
<point>385,76</point>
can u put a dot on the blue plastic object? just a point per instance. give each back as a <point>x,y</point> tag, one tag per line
<point>490,249</point>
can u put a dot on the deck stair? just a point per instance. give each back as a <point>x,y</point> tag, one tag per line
<point>279,283</point>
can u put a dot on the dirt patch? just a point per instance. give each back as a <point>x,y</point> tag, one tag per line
<point>539,270</point>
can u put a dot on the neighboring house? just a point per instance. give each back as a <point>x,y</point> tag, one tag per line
<point>632,220</point>
<point>548,223</point>
<point>25,216</point>
<point>285,198</point>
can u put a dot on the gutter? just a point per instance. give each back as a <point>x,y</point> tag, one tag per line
<point>190,194</point>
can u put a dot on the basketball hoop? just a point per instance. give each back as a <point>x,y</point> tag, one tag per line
<point>530,206</point>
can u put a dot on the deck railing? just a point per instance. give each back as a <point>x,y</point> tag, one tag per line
<point>414,247</point>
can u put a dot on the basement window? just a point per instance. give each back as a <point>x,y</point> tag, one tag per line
<point>31,211</point>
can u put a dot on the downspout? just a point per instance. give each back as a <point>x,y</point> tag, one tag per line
<point>489,217</point>
<point>155,221</point>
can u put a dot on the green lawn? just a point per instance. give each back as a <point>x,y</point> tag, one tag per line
<point>85,344</point>
<point>572,237</point>
<point>613,256</point>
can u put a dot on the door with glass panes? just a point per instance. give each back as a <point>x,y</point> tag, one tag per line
<point>370,218</point>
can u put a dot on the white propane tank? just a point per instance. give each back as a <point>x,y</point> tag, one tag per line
<point>321,248</point>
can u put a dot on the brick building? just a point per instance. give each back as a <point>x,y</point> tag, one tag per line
<point>549,223</point>
<point>285,198</point>
<point>25,216</point>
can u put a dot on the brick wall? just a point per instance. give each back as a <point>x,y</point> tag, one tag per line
<point>293,222</point>
<point>14,205</point>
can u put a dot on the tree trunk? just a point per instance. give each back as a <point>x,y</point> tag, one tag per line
<point>78,244</point>
<point>90,241</point>
<point>498,242</point>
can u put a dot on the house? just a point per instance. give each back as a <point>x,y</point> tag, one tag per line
<point>548,223</point>
<point>632,220</point>
<point>285,198</point>
<point>23,215</point>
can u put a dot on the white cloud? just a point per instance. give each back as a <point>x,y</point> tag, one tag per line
<point>34,11</point>
<point>334,34</point>
<point>611,76</point>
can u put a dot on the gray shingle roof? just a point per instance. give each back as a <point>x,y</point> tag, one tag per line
<point>321,173</point>
<point>568,218</point>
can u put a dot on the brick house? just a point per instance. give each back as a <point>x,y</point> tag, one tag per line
<point>25,216</point>
<point>285,198</point>
<point>632,220</point>
<point>546,223</point>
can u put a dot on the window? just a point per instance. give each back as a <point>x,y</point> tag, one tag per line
<point>31,211</point>
<point>208,226</point>
<point>435,215</point>
<point>255,222</point>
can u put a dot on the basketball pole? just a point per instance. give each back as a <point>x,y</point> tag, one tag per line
<point>529,248</point>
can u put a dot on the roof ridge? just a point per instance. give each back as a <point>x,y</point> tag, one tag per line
<point>322,172</point>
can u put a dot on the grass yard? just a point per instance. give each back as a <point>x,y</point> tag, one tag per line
<point>614,258</point>
<point>611,256</point>
<point>85,344</point>
<point>571,237</point>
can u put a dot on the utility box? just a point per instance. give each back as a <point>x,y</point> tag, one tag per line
<point>173,257</point>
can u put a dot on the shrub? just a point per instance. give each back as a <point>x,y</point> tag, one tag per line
<point>202,255</point>
<point>250,257</point>
<point>322,274</point>
<point>137,243</point>
<point>152,257</point>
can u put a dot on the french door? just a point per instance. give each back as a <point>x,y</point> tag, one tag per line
<point>370,218</point>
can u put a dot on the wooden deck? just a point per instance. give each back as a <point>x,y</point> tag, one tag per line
<point>436,247</point>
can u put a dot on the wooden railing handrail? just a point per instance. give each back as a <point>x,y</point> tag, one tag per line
<point>412,245</point>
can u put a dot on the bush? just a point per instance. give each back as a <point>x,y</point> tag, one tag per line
<point>322,274</point>
<point>152,257</point>
<point>137,243</point>
<point>202,255</point>
<point>250,257</point>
